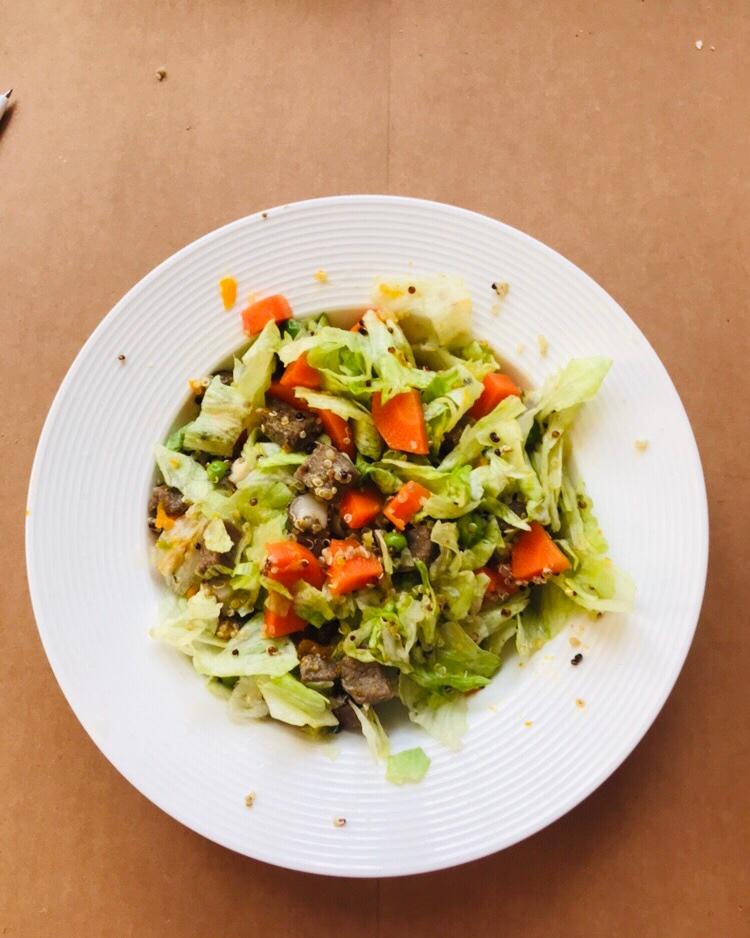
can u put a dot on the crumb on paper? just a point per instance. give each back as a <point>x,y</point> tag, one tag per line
<point>520,348</point>
<point>575,641</point>
<point>528,723</point>
<point>250,799</point>
<point>321,276</point>
<point>543,344</point>
<point>120,357</point>
<point>641,445</point>
<point>339,822</point>
<point>580,703</point>
<point>698,44</point>
<point>161,73</point>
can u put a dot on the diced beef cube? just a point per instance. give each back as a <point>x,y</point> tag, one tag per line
<point>420,545</point>
<point>326,472</point>
<point>170,500</point>
<point>348,719</point>
<point>291,429</point>
<point>315,668</point>
<point>366,682</point>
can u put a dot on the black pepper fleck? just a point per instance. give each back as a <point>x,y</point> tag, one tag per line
<point>235,651</point>
<point>576,659</point>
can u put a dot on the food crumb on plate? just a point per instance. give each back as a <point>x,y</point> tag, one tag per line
<point>576,659</point>
<point>321,276</point>
<point>528,723</point>
<point>250,799</point>
<point>120,357</point>
<point>501,288</point>
<point>339,822</point>
<point>161,73</point>
<point>228,292</point>
<point>543,344</point>
<point>575,641</point>
<point>580,703</point>
<point>641,445</point>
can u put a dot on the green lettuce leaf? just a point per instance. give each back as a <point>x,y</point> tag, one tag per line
<point>252,374</point>
<point>222,417</point>
<point>428,308</point>
<point>246,702</point>
<point>189,623</point>
<point>372,730</point>
<point>289,701</point>
<point>247,654</point>
<point>443,718</point>
<point>408,766</point>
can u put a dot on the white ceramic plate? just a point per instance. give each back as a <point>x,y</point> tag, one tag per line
<point>532,752</point>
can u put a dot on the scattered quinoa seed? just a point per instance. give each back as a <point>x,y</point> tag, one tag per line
<point>543,345</point>
<point>412,289</point>
<point>575,642</point>
<point>161,73</point>
<point>580,703</point>
<point>339,822</point>
<point>250,799</point>
<point>576,659</point>
<point>321,276</point>
<point>528,723</point>
<point>501,288</point>
<point>120,357</point>
<point>641,445</point>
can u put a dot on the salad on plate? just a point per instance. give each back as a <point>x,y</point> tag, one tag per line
<point>361,517</point>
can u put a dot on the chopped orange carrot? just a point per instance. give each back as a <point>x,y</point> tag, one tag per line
<point>535,554</point>
<point>405,504</point>
<point>400,421</point>
<point>496,388</point>
<point>289,562</point>
<point>300,374</point>
<point>351,567</point>
<point>276,624</point>
<point>228,291</point>
<point>338,430</point>
<point>274,308</point>
<point>360,507</point>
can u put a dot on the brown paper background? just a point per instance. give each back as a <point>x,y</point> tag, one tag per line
<point>597,127</point>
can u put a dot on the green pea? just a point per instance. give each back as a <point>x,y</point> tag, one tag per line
<point>394,541</point>
<point>217,470</point>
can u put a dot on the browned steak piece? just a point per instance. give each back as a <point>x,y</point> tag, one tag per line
<point>326,472</point>
<point>342,710</point>
<point>421,546</point>
<point>366,682</point>
<point>315,668</point>
<point>292,429</point>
